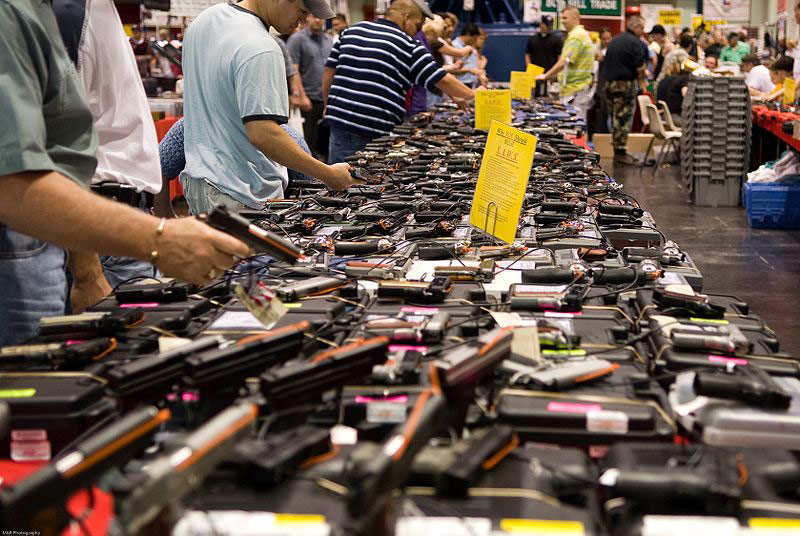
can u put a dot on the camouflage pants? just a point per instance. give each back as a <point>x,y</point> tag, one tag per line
<point>621,100</point>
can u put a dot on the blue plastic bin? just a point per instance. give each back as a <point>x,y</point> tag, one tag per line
<point>772,205</point>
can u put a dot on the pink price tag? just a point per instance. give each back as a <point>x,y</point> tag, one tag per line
<point>566,407</point>
<point>151,305</point>
<point>401,347</point>
<point>401,399</point>
<point>726,360</point>
<point>419,310</point>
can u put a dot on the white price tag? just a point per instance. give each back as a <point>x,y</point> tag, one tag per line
<point>606,421</point>
<point>541,289</point>
<point>670,278</point>
<point>443,526</point>
<point>343,435</point>
<point>689,526</point>
<point>386,412</point>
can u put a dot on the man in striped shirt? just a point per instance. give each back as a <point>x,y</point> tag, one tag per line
<point>369,72</point>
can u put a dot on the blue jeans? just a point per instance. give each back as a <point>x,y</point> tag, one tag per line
<point>33,284</point>
<point>119,269</point>
<point>343,143</point>
<point>202,197</point>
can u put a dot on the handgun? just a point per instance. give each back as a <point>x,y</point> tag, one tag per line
<point>162,483</point>
<point>463,367</point>
<point>89,325</point>
<point>230,366</point>
<point>267,462</point>
<point>149,378</point>
<point>486,449</point>
<point>563,376</point>
<point>748,383</point>
<point>57,355</point>
<point>297,382</point>
<point>160,293</point>
<point>424,292</point>
<point>315,285</point>
<point>727,339</point>
<point>38,502</point>
<point>375,470</point>
<point>678,297</point>
<point>259,239</point>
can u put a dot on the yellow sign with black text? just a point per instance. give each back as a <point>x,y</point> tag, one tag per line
<point>697,20</point>
<point>789,87</point>
<point>670,17</point>
<point>502,181</point>
<point>492,104</point>
<point>535,70</point>
<point>521,84</point>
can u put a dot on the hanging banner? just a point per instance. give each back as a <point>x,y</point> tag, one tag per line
<point>650,14</point>
<point>502,181</point>
<point>530,12</point>
<point>670,17</point>
<point>588,8</point>
<point>731,10</point>
<point>708,24</point>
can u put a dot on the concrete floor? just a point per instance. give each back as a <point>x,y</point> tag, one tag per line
<point>760,266</point>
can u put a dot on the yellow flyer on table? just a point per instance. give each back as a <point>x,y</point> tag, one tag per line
<point>521,84</point>
<point>492,104</point>
<point>789,86</point>
<point>502,181</point>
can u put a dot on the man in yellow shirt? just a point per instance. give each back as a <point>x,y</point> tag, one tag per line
<point>577,62</point>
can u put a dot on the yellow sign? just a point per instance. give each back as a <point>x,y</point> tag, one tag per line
<point>492,104</point>
<point>669,17</point>
<point>502,181</point>
<point>789,86</point>
<point>774,525</point>
<point>697,20</point>
<point>521,84</point>
<point>543,526</point>
<point>535,70</point>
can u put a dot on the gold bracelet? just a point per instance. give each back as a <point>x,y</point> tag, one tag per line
<point>159,231</point>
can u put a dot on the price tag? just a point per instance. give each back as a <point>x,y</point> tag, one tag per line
<point>606,421</point>
<point>689,526</point>
<point>446,526</point>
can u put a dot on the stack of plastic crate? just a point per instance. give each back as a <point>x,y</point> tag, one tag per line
<point>715,146</point>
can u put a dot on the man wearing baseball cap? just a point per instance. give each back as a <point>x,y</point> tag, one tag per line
<point>544,47</point>
<point>235,99</point>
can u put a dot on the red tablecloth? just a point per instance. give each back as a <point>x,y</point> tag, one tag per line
<point>96,523</point>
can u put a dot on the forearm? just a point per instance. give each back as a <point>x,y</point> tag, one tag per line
<point>454,88</point>
<point>84,265</point>
<point>51,207</point>
<point>527,60</point>
<point>277,145</point>
<point>557,68</point>
<point>327,80</point>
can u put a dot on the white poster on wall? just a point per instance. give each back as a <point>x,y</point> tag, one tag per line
<point>730,10</point>
<point>530,12</point>
<point>469,5</point>
<point>190,8</point>
<point>649,13</point>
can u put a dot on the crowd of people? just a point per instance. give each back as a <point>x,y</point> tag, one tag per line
<point>603,75</point>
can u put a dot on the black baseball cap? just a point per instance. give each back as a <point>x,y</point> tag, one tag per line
<point>658,29</point>
<point>547,20</point>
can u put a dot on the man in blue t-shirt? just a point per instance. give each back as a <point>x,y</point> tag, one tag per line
<point>235,99</point>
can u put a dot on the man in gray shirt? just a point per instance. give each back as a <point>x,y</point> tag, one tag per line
<point>47,158</point>
<point>310,48</point>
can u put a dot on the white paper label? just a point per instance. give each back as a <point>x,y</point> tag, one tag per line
<point>689,526</point>
<point>343,435</point>
<point>386,412</point>
<point>541,289</point>
<point>170,343</point>
<point>29,435</point>
<point>443,526</point>
<point>606,421</point>
<point>28,451</point>
<point>241,523</point>
<point>670,278</point>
